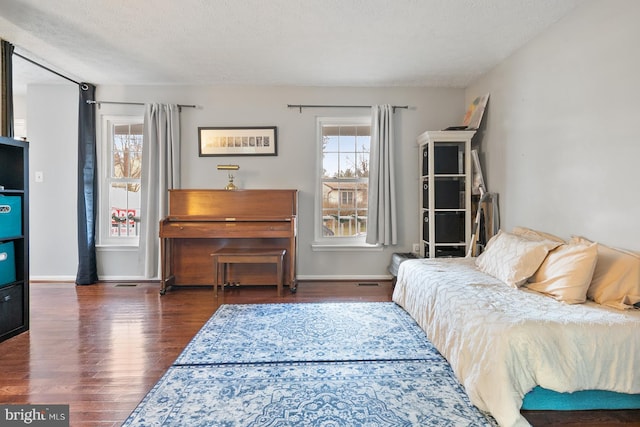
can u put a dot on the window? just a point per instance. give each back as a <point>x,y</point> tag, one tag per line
<point>120,190</point>
<point>341,203</point>
<point>347,197</point>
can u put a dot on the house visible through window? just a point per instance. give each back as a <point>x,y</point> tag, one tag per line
<point>120,203</point>
<point>345,145</point>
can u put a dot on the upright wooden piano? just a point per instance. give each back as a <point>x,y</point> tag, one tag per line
<point>201,222</point>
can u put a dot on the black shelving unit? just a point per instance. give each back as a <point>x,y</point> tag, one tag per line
<point>14,237</point>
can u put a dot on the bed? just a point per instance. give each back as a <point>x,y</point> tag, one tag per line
<point>510,344</point>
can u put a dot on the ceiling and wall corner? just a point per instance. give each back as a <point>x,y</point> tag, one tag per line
<point>364,43</point>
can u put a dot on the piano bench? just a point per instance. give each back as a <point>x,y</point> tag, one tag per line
<point>226,256</point>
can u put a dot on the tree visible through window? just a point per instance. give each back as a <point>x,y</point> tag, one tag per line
<point>345,176</point>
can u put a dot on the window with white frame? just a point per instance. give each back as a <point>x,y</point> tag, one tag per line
<point>341,202</point>
<point>121,163</point>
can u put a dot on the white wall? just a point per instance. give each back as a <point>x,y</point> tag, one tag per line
<point>19,108</point>
<point>52,128</point>
<point>293,167</point>
<point>561,144</point>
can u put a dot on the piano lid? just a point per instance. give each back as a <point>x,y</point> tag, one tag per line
<point>206,218</point>
<point>244,204</point>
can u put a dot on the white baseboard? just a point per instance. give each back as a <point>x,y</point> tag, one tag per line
<point>326,278</point>
<point>101,278</point>
<point>52,278</point>
<point>348,278</point>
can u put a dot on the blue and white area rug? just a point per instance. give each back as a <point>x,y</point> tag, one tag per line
<point>253,333</point>
<point>394,394</point>
<point>330,365</point>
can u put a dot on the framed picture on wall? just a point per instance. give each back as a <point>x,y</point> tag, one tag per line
<point>237,141</point>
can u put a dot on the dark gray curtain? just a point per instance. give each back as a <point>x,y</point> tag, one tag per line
<point>87,187</point>
<point>7,90</point>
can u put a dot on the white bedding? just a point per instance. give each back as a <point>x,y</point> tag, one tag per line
<point>501,342</point>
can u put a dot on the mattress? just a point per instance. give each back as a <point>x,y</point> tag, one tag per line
<point>503,342</point>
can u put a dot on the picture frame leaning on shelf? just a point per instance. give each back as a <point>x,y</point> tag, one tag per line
<point>473,117</point>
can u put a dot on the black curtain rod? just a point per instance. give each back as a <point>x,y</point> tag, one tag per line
<point>131,103</point>
<point>301,106</point>
<point>46,68</point>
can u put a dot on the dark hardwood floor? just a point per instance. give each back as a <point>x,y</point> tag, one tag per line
<point>100,348</point>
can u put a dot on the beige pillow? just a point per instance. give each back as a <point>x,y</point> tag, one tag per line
<point>513,259</point>
<point>532,234</point>
<point>616,278</point>
<point>566,272</point>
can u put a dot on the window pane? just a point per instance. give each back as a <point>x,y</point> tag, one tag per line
<point>330,165</point>
<point>344,208</point>
<point>361,216</point>
<point>127,152</point>
<point>362,165</point>
<point>346,165</point>
<point>363,144</point>
<point>124,202</point>
<point>347,143</point>
<point>330,143</point>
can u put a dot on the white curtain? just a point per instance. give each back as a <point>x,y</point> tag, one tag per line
<point>160,172</point>
<point>382,218</point>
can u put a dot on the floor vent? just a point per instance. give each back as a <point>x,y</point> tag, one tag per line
<point>368,284</point>
<point>128,285</point>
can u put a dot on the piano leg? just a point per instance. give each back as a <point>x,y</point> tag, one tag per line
<point>216,275</point>
<point>166,274</point>
<point>163,267</point>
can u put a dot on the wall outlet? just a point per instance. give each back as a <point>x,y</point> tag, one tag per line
<point>416,248</point>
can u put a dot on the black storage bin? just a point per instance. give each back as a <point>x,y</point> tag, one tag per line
<point>11,310</point>
<point>448,192</point>
<point>425,226</point>
<point>425,160</point>
<point>425,194</point>
<point>447,159</point>
<point>449,227</point>
<point>449,251</point>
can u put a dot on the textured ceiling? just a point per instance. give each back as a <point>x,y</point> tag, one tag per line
<point>445,43</point>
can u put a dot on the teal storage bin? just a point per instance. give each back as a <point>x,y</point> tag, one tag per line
<point>7,263</point>
<point>10,216</point>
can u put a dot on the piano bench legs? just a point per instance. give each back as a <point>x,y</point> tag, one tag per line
<point>224,257</point>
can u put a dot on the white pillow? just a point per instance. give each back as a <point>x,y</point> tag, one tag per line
<point>532,234</point>
<point>513,259</point>
<point>566,272</point>
<point>616,278</point>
